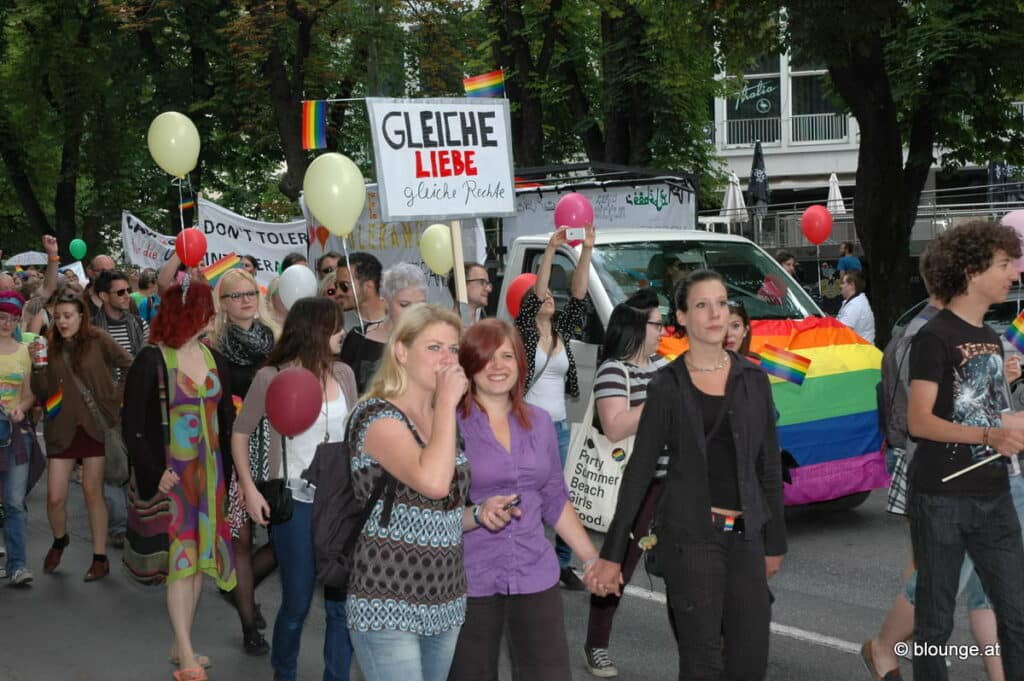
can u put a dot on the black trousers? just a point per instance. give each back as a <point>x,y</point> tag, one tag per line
<point>536,638</point>
<point>718,596</point>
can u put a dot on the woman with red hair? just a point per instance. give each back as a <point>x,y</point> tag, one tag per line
<point>177,422</point>
<point>511,569</point>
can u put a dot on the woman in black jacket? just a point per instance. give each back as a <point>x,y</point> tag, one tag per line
<point>719,523</point>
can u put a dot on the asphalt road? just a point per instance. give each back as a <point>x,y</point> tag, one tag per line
<point>837,582</point>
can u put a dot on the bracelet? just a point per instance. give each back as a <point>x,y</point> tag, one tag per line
<point>984,436</point>
<point>53,258</point>
<point>476,515</point>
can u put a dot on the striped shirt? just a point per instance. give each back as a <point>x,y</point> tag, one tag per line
<point>616,378</point>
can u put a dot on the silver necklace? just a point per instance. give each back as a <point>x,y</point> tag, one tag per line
<point>717,367</point>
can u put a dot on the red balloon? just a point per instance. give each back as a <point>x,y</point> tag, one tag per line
<point>294,399</point>
<point>190,246</point>
<point>816,224</point>
<point>516,290</point>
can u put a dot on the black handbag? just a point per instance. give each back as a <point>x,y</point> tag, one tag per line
<point>276,492</point>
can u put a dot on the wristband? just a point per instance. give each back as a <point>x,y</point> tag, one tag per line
<point>53,258</point>
<point>476,515</point>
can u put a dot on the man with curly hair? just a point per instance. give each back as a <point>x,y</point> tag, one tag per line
<point>958,414</point>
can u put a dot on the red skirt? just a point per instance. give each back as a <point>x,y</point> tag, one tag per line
<point>82,447</point>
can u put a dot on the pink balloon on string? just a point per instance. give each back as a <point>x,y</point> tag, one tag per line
<point>574,210</point>
<point>1015,220</point>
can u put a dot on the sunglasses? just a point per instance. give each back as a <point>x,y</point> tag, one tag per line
<point>238,295</point>
<point>121,292</point>
<point>327,270</point>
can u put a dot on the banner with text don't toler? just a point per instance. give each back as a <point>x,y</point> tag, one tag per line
<point>442,158</point>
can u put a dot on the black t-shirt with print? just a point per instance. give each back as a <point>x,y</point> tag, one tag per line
<point>967,364</point>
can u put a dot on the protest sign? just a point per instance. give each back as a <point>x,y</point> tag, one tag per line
<point>267,242</point>
<point>142,246</point>
<point>442,159</point>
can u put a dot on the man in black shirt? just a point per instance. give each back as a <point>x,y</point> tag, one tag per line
<point>958,396</point>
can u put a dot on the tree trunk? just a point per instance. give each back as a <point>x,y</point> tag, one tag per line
<point>17,171</point>
<point>288,115</point>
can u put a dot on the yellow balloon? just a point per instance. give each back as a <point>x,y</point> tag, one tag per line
<point>174,143</point>
<point>335,192</point>
<point>436,248</point>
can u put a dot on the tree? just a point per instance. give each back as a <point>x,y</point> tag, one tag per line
<point>919,76</point>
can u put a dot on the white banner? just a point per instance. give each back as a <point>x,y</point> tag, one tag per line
<point>661,206</point>
<point>142,246</point>
<point>268,242</point>
<point>394,242</point>
<point>440,159</point>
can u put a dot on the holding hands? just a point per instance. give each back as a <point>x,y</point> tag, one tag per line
<point>603,578</point>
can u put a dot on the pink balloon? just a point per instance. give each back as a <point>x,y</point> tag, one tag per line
<point>574,210</point>
<point>1015,220</point>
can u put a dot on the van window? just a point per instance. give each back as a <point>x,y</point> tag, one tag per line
<point>751,276</point>
<point>562,268</point>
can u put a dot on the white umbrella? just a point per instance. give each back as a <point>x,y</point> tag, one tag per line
<point>734,208</point>
<point>26,258</point>
<point>835,197</point>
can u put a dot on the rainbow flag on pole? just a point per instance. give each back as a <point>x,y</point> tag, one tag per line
<point>485,85</point>
<point>215,270</point>
<point>187,204</point>
<point>783,364</point>
<point>1015,334</point>
<point>314,124</point>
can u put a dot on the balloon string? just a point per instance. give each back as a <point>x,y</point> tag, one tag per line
<point>352,278</point>
<point>195,199</point>
<point>181,211</point>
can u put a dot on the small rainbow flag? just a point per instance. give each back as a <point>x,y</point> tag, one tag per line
<point>18,269</point>
<point>783,364</point>
<point>485,85</point>
<point>54,402</point>
<point>214,270</point>
<point>1015,334</point>
<point>187,204</point>
<point>314,124</point>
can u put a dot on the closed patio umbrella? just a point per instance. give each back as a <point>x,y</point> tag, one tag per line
<point>734,208</point>
<point>835,203</point>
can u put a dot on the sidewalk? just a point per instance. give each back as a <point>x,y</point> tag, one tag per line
<point>63,629</point>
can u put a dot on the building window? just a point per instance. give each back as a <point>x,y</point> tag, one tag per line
<point>816,115</point>
<point>754,113</point>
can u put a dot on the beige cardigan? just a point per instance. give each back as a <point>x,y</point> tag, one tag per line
<point>254,407</point>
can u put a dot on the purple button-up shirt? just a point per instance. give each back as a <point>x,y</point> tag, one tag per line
<point>519,559</point>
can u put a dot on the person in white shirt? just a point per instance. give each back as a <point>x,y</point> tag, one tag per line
<point>856,310</point>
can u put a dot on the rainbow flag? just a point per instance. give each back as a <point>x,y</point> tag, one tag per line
<point>1015,334</point>
<point>788,366</point>
<point>314,124</point>
<point>187,204</point>
<point>485,85</point>
<point>214,270</point>
<point>54,402</point>
<point>830,423</point>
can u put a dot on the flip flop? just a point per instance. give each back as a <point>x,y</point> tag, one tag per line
<point>868,659</point>
<point>203,661</point>
<point>193,674</point>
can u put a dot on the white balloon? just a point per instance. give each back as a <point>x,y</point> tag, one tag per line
<point>298,281</point>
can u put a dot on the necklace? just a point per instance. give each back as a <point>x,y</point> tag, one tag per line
<point>721,364</point>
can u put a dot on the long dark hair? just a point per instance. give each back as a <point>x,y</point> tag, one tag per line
<point>627,325</point>
<point>82,340</point>
<point>306,337</point>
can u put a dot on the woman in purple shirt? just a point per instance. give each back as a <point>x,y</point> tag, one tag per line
<point>517,486</point>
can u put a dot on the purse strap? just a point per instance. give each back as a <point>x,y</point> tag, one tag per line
<point>90,403</point>
<point>536,374</point>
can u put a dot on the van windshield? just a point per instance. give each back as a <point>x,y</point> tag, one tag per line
<point>751,276</point>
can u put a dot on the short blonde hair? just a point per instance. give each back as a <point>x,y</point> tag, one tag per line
<point>390,379</point>
<point>221,321</point>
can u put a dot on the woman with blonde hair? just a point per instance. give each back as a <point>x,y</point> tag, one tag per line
<point>407,590</point>
<point>243,333</point>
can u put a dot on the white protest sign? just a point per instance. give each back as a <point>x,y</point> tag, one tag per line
<point>142,246</point>
<point>442,159</point>
<point>394,242</point>
<point>268,242</point>
<point>660,206</point>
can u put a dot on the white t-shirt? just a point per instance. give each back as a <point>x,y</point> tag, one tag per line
<point>548,391</point>
<point>302,447</point>
<point>856,314</point>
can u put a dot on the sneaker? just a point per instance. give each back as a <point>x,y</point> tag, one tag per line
<point>598,662</point>
<point>21,577</point>
<point>3,573</point>
<point>117,540</point>
<point>569,580</point>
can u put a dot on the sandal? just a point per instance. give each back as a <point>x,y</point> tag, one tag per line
<point>202,660</point>
<point>193,674</point>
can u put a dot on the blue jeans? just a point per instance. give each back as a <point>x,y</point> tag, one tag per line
<point>293,546</point>
<point>393,655</point>
<point>116,497</point>
<point>942,529</point>
<point>15,484</point>
<point>563,431</point>
<point>969,584</point>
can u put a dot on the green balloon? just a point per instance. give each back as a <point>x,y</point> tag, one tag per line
<point>77,249</point>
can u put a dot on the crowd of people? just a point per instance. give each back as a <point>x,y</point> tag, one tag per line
<point>468,424</point>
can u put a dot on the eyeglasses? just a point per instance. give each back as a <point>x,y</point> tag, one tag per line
<point>238,295</point>
<point>327,270</point>
<point>8,319</point>
<point>660,325</point>
<point>486,283</point>
<point>121,292</point>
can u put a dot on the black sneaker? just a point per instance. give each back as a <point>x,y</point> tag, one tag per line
<point>3,515</point>
<point>598,662</point>
<point>569,580</point>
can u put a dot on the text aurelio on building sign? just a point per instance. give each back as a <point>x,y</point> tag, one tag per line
<point>442,158</point>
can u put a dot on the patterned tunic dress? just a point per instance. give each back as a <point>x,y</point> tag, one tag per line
<point>200,540</point>
<point>408,576</point>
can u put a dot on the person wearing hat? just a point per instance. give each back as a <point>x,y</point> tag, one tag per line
<point>21,461</point>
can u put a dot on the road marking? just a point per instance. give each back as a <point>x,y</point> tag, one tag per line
<point>778,629</point>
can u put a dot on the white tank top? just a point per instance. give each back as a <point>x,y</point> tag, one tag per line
<point>548,391</point>
<point>302,447</point>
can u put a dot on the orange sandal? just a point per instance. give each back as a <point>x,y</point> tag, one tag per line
<point>194,674</point>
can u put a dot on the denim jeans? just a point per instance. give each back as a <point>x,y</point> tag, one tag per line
<point>393,655</point>
<point>564,431</point>
<point>942,529</point>
<point>116,497</point>
<point>15,483</point>
<point>969,585</point>
<point>293,546</point>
